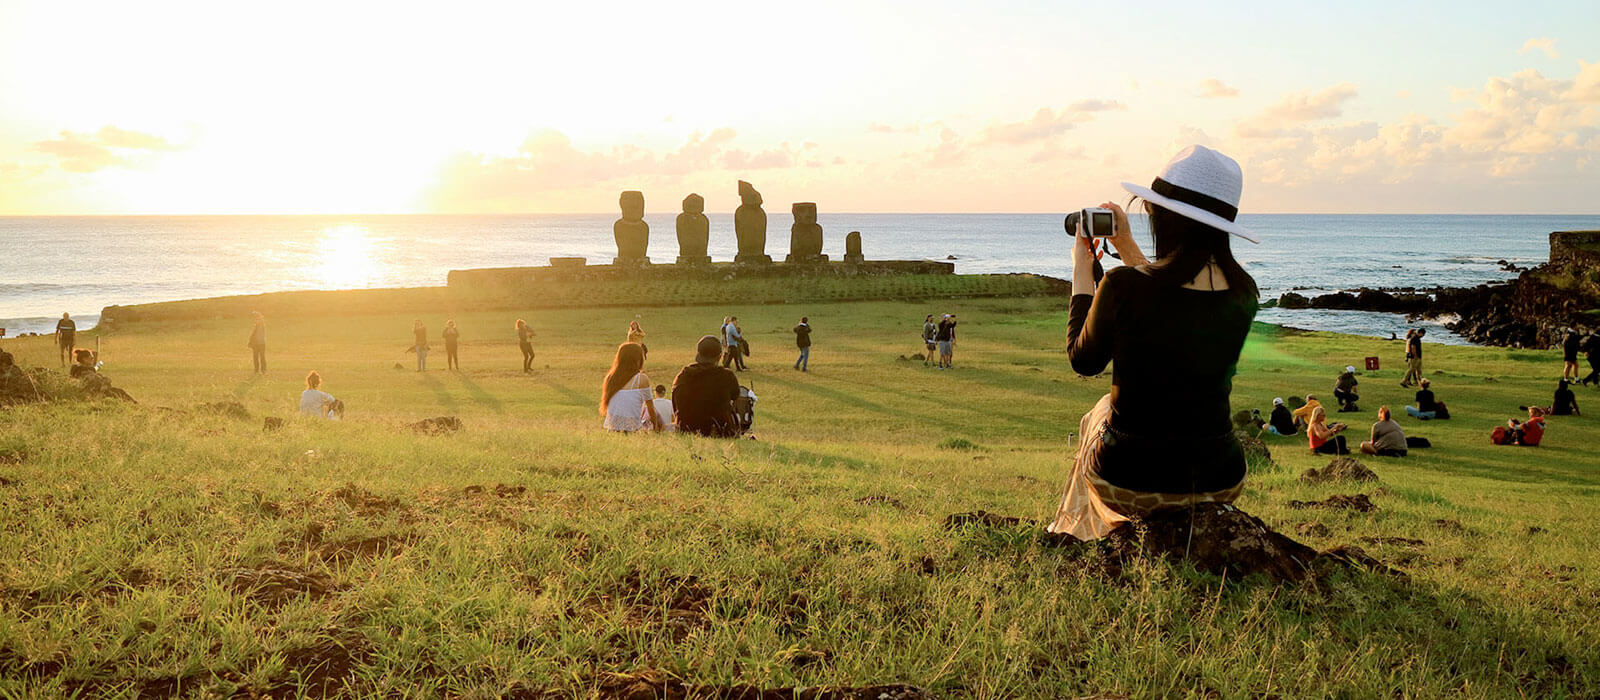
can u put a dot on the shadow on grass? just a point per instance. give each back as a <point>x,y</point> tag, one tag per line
<point>573,397</point>
<point>446,401</point>
<point>245,386</point>
<point>479,395</point>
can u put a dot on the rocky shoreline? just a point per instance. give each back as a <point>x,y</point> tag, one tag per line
<point>1531,311</point>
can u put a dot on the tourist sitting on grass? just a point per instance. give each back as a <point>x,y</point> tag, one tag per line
<point>83,362</point>
<point>658,417</point>
<point>1427,408</point>
<point>314,401</point>
<point>625,392</point>
<point>1135,458</point>
<point>1302,415</point>
<point>1527,433</point>
<point>1344,391</point>
<point>703,394</point>
<point>1281,422</point>
<point>1388,440</point>
<point>1325,439</point>
<point>1566,402</point>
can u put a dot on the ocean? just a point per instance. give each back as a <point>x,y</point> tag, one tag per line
<point>81,264</point>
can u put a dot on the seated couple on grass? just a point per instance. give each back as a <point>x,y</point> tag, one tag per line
<point>704,395</point>
<point>1427,408</point>
<point>1134,459</point>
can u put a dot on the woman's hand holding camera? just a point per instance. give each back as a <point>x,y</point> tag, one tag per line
<point>1122,236</point>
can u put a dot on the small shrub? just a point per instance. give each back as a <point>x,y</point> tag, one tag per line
<point>958,443</point>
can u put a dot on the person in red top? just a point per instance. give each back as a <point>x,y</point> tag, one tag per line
<point>1533,429</point>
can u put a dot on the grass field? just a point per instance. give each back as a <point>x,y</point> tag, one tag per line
<point>163,552</point>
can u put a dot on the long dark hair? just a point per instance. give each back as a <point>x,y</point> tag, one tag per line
<point>1184,247</point>
<point>628,363</point>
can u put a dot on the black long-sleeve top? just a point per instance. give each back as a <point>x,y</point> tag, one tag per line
<point>1173,350</point>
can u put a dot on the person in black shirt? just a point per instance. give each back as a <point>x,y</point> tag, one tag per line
<point>525,341</point>
<point>802,340</point>
<point>1169,328</point>
<point>945,336</point>
<point>1427,407</point>
<point>703,394</point>
<point>1413,357</point>
<point>1591,352</point>
<point>1344,390</point>
<point>1281,422</point>
<point>66,336</point>
<point>452,337</point>
<point>1569,354</point>
<point>1566,403</point>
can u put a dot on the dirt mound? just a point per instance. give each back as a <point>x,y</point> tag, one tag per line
<point>1341,469</point>
<point>1356,502</point>
<point>1256,453</point>
<point>876,500</point>
<point>442,425</point>
<point>501,490</point>
<point>656,685</point>
<point>271,423</point>
<point>346,551</point>
<point>271,585</point>
<point>322,670</point>
<point>364,502</point>
<point>230,409</point>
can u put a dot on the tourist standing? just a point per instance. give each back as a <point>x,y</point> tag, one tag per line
<point>930,345</point>
<point>1413,357</point>
<point>625,392</point>
<point>733,341</point>
<point>525,341</point>
<point>66,337</point>
<point>421,345</point>
<point>1591,352</point>
<point>1569,354</point>
<point>636,335</point>
<point>802,340</point>
<point>258,342</point>
<point>945,336</point>
<point>451,338</point>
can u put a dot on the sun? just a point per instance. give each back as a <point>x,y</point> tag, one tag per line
<point>345,257</point>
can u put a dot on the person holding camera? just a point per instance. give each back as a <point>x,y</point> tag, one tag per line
<point>1324,438</point>
<point>1134,459</point>
<point>945,336</point>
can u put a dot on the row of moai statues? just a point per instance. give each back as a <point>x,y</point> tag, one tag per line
<point>749,225</point>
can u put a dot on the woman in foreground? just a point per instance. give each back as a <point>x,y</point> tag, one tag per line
<point>625,393</point>
<point>1171,328</point>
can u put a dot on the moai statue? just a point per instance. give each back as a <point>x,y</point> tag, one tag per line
<point>633,234</point>
<point>750,225</point>
<point>852,249</point>
<point>694,232</point>
<point>805,237</point>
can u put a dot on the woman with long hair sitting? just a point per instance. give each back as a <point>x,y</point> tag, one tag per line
<point>1171,329</point>
<point>1325,439</point>
<point>625,393</point>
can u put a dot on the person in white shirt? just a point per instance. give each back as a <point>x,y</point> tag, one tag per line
<point>625,394</point>
<point>314,401</point>
<point>663,412</point>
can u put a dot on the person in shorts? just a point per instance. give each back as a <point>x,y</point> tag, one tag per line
<point>946,337</point>
<point>66,335</point>
<point>930,329</point>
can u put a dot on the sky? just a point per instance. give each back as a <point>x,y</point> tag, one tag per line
<point>295,107</point>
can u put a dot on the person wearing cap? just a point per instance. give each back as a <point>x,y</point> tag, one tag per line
<point>1281,422</point>
<point>1302,415</point>
<point>1344,390</point>
<point>945,336</point>
<point>1194,295</point>
<point>1413,357</point>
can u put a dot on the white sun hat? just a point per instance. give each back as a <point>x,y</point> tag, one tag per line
<point>1202,185</point>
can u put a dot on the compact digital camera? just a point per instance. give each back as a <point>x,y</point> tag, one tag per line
<point>1098,222</point>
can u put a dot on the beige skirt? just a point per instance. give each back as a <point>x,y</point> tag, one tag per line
<point>1091,507</point>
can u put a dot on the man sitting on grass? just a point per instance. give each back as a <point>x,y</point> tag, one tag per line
<point>1302,415</point>
<point>1282,421</point>
<point>1388,440</point>
<point>703,394</point>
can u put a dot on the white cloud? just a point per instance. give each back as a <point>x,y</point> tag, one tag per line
<point>1545,44</point>
<point>1211,88</point>
<point>108,148</point>
<point>1296,109</point>
<point>1047,123</point>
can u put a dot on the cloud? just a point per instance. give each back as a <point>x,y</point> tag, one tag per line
<point>1523,129</point>
<point>1211,88</point>
<point>1545,44</point>
<point>110,147</point>
<point>1296,109</point>
<point>1047,123</point>
<point>547,167</point>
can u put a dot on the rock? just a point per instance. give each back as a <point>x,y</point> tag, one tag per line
<point>1312,530</point>
<point>1256,454</point>
<point>98,386</point>
<point>441,425</point>
<point>805,236</point>
<point>15,385</point>
<point>1291,300</point>
<point>852,249</point>
<point>750,226</point>
<point>231,409</point>
<point>694,232</point>
<point>1357,502</point>
<point>1341,469</point>
<point>631,231</point>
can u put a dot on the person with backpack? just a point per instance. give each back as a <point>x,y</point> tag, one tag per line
<point>1428,407</point>
<point>802,340</point>
<point>1527,433</point>
<point>1388,439</point>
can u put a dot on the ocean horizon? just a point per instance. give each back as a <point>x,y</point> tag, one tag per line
<point>80,264</point>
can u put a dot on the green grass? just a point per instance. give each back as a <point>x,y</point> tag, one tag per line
<point>131,536</point>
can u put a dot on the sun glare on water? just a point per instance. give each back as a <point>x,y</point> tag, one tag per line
<point>346,257</point>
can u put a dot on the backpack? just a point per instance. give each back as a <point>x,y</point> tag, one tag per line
<point>744,410</point>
